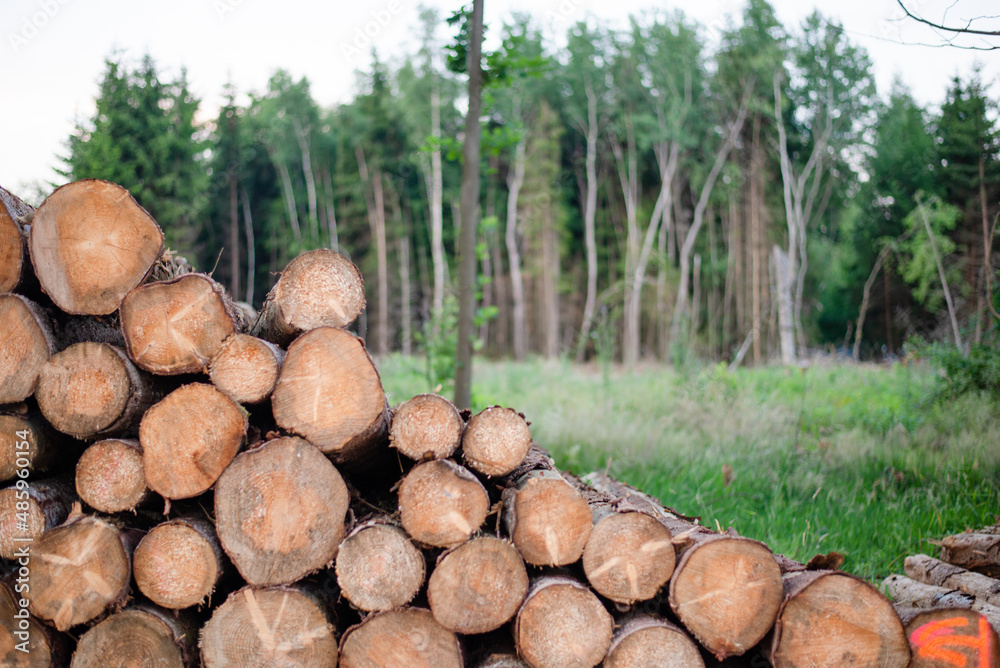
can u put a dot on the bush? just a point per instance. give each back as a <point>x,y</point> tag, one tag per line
<point>962,373</point>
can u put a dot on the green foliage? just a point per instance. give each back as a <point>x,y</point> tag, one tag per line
<point>977,371</point>
<point>438,340</point>
<point>919,266</point>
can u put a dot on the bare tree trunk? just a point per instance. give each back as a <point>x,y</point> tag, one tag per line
<point>437,220</point>
<point>514,181</point>
<point>331,213</point>
<point>589,212</point>
<point>234,235</point>
<point>251,248</point>
<point>863,311</point>
<point>550,281</point>
<point>302,137</point>
<point>376,223</point>
<point>405,296</point>
<point>786,328</point>
<point>696,298</point>
<point>755,245</point>
<point>628,169</point>
<point>287,192</point>
<point>940,268</point>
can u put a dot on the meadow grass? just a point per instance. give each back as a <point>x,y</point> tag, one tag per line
<point>854,459</point>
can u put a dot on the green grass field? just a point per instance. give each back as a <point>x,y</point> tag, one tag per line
<point>853,459</point>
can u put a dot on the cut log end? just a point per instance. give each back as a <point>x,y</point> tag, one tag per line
<point>478,586</point>
<point>28,510</point>
<point>645,640</point>
<point>330,393</point>
<point>90,244</point>
<point>442,504</point>
<point>134,637</point>
<point>379,568</point>
<point>280,511</point>
<point>320,288</point>
<point>426,427</point>
<point>177,326</point>
<point>727,592</point>
<point>110,477</point>
<point>188,438</point>
<point>177,563</point>
<point>78,570</point>
<point>833,619</point>
<point>949,637</point>
<point>628,556</point>
<point>28,343</point>
<point>26,442</point>
<point>548,520</point>
<point>45,648</point>
<point>562,624</point>
<point>403,637</point>
<point>276,626</point>
<point>246,368</point>
<point>496,441</point>
<point>13,247</point>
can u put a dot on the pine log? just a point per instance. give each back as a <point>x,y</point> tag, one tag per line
<point>320,288</point>
<point>178,563</point>
<point>330,393</point>
<point>138,637</point>
<point>177,326</point>
<point>979,552</point>
<point>24,642</point>
<point>547,519</point>
<point>908,593</point>
<point>15,217</point>
<point>645,640</point>
<point>478,586</point>
<point>280,511</point>
<point>725,589</point>
<point>29,509</point>
<point>188,438</point>
<point>27,344</point>
<point>426,427</point>
<point>441,503</point>
<point>79,570</point>
<point>932,571</point>
<point>949,637</point>
<point>90,244</point>
<point>110,477</point>
<point>562,624</point>
<point>27,443</point>
<point>496,441</point>
<point>830,618</point>
<point>629,556</point>
<point>379,567</point>
<point>402,637</point>
<point>267,628</point>
<point>93,389</point>
<point>246,368</point>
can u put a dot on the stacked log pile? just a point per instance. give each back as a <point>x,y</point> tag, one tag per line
<point>187,485</point>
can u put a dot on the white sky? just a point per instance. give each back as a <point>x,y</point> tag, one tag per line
<point>52,51</point>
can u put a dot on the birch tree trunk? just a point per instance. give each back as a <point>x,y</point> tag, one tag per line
<point>628,169</point>
<point>302,137</point>
<point>514,181</point>
<point>251,248</point>
<point>589,211</point>
<point>287,192</point>
<point>437,219</point>
<point>375,200</point>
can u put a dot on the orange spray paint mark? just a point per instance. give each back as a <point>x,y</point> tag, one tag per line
<point>938,640</point>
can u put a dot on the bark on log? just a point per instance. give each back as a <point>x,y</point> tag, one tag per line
<point>90,244</point>
<point>949,637</point>
<point>502,661</point>
<point>978,552</point>
<point>320,288</point>
<point>908,593</point>
<point>330,393</point>
<point>441,503</point>
<point>24,641</point>
<point>264,628</point>
<point>408,637</point>
<point>29,509</point>
<point>830,618</point>
<point>189,438</point>
<point>28,344</point>
<point>562,624</point>
<point>79,570</point>
<point>246,368</point>
<point>27,443</point>
<point>644,640</point>
<point>280,511</point>
<point>629,556</point>
<point>139,637</point>
<point>932,571</point>
<point>378,567</point>
<point>177,326</point>
<point>178,563</point>
<point>478,586</point>
<point>93,389</point>
<point>496,441</point>
<point>15,217</point>
<point>110,477</point>
<point>726,590</point>
<point>547,519</point>
<point>426,427</point>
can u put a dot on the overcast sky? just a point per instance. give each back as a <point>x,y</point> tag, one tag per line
<point>52,52</point>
